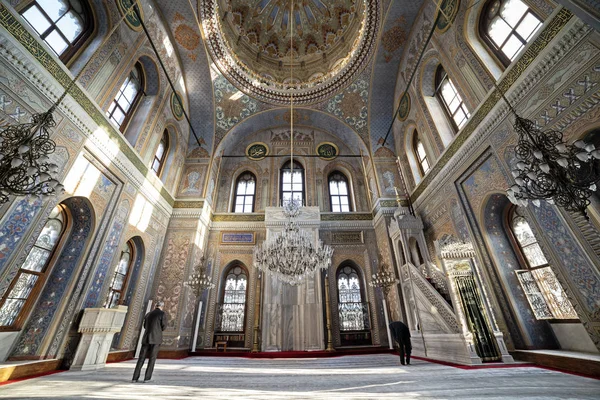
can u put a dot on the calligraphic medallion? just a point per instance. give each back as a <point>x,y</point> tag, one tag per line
<point>327,151</point>
<point>448,10</point>
<point>177,106</point>
<point>404,107</point>
<point>132,19</point>
<point>257,151</point>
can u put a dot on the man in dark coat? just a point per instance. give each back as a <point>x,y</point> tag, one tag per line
<point>154,324</point>
<point>401,334</point>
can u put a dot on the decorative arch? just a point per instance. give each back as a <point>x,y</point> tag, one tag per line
<point>351,174</point>
<point>244,192</point>
<point>170,168</point>
<point>48,306</point>
<point>232,301</point>
<point>292,181</point>
<point>353,310</point>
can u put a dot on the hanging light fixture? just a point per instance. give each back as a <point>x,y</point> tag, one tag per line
<point>199,281</point>
<point>290,256</point>
<point>384,278</point>
<point>549,169</point>
<point>25,165</point>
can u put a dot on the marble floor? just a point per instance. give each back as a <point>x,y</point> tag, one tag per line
<point>350,377</point>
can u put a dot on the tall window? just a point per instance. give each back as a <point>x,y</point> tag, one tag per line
<point>446,92</point>
<point>161,154</point>
<point>420,154</point>
<point>130,93</point>
<point>507,26</point>
<point>245,190</point>
<point>353,311</point>
<point>292,187</point>
<point>544,293</point>
<point>26,284</point>
<point>121,277</point>
<point>338,192</point>
<point>233,306</point>
<point>63,24</point>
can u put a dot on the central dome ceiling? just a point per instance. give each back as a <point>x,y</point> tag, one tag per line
<point>251,43</point>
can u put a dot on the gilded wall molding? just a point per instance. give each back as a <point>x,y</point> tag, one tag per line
<point>517,69</point>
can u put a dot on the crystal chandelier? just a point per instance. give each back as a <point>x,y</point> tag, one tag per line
<point>549,169</point>
<point>25,168</point>
<point>384,278</point>
<point>290,255</point>
<point>199,281</point>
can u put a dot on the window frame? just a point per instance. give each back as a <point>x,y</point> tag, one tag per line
<point>222,297</point>
<point>484,25</point>
<point>331,195</point>
<point>415,148</point>
<point>134,103</point>
<point>363,294</point>
<point>132,257</point>
<point>510,216</point>
<point>235,193</point>
<point>43,275</point>
<point>73,47</point>
<point>163,159</point>
<point>287,167</point>
<point>441,75</point>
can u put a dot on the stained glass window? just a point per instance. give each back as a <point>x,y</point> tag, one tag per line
<point>121,276</point>
<point>245,190</point>
<point>543,290</point>
<point>129,94</point>
<point>292,187</point>
<point>161,153</point>
<point>353,312</point>
<point>446,92</point>
<point>338,192</point>
<point>507,26</point>
<point>32,272</point>
<point>62,24</point>
<point>233,306</point>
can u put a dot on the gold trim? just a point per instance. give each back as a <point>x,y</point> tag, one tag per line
<point>188,204</point>
<point>337,151</point>
<point>257,158</point>
<point>238,243</point>
<point>407,109</point>
<point>452,16</point>
<point>238,217</point>
<point>48,62</point>
<point>122,10</point>
<point>517,69</point>
<point>347,217</point>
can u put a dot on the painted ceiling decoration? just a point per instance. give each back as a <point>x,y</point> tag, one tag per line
<point>250,43</point>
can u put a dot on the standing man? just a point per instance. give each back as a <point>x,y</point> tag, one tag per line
<point>401,334</point>
<point>154,324</point>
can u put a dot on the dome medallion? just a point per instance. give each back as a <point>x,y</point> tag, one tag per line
<point>251,44</point>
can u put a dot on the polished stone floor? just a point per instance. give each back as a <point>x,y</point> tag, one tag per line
<point>349,377</point>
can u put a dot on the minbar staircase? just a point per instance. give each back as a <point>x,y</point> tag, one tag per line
<point>444,294</point>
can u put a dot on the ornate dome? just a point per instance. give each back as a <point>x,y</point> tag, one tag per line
<point>251,43</point>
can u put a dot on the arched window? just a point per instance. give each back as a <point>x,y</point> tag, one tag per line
<point>245,189</point>
<point>545,294</point>
<point>121,276</point>
<point>161,154</point>
<point>130,93</point>
<point>447,94</point>
<point>292,187</point>
<point>339,194</point>
<point>25,286</point>
<point>63,24</point>
<point>506,26</point>
<point>353,310</point>
<point>420,154</point>
<point>233,301</point>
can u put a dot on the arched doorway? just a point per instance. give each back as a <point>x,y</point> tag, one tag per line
<point>353,307</point>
